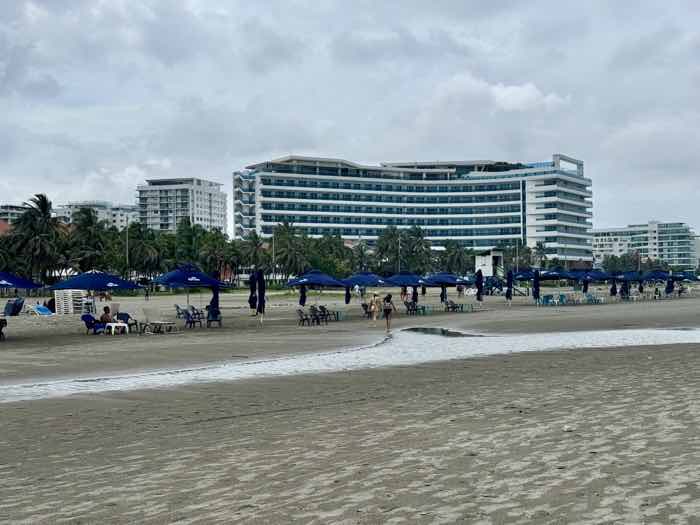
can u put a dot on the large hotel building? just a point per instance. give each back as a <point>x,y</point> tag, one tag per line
<point>480,204</point>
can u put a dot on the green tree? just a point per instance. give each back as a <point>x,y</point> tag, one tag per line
<point>390,257</point>
<point>418,253</point>
<point>361,257</point>
<point>38,238</point>
<point>87,241</point>
<point>290,250</point>
<point>254,250</point>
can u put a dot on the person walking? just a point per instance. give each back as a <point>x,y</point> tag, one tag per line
<point>374,306</point>
<point>389,309</point>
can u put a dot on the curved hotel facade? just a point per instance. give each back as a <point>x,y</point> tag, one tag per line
<point>480,204</point>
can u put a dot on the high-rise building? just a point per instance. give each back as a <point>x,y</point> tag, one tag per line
<point>9,213</point>
<point>117,215</point>
<point>163,203</point>
<point>671,242</point>
<point>476,203</point>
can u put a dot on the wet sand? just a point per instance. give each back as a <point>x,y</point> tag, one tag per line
<point>587,436</point>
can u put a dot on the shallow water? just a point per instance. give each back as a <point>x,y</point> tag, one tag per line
<point>401,349</point>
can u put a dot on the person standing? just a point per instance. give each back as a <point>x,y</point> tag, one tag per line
<point>374,306</point>
<point>389,309</point>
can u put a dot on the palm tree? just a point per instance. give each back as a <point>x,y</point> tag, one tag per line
<point>389,250</point>
<point>87,240</point>
<point>254,250</point>
<point>541,253</point>
<point>290,250</point>
<point>418,251</point>
<point>360,257</point>
<point>454,258</point>
<point>37,235</point>
<point>212,254</point>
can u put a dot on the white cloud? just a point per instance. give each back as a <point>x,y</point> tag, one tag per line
<point>465,88</point>
<point>104,94</point>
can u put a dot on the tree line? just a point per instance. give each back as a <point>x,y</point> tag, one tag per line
<point>39,246</point>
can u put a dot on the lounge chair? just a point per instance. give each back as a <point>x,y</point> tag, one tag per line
<point>330,314</point>
<point>14,307</point>
<point>191,320</point>
<point>410,308</point>
<point>128,320</point>
<point>92,324</point>
<point>451,306</point>
<point>213,316</point>
<point>304,319</point>
<point>3,324</point>
<point>197,314</point>
<point>317,316</point>
<point>39,309</point>
<point>179,311</point>
<point>153,324</point>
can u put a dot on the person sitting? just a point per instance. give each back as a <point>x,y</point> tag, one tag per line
<point>106,316</point>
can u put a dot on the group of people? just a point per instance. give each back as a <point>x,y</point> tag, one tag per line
<point>386,305</point>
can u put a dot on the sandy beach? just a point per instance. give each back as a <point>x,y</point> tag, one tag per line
<point>587,436</point>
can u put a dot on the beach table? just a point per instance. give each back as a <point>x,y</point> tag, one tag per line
<point>114,328</point>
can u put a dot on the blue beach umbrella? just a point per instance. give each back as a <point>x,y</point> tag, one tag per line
<point>365,279</point>
<point>556,274</point>
<point>405,279</point>
<point>95,281</point>
<point>7,280</point>
<point>316,278</point>
<point>524,275</point>
<point>189,276</point>
<point>443,279</point>
<point>655,276</point>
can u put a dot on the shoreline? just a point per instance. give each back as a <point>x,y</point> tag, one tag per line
<point>58,348</point>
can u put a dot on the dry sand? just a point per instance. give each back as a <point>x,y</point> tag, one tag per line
<point>587,436</point>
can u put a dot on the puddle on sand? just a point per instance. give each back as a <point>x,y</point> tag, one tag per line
<point>403,349</point>
<point>444,332</point>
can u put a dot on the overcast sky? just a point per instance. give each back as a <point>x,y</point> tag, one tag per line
<point>96,96</point>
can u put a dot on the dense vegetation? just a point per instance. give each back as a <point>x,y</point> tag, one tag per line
<point>41,247</point>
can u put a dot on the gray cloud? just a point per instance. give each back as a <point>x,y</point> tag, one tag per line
<point>101,95</point>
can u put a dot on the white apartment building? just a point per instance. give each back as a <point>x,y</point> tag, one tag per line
<point>10,212</point>
<point>671,242</point>
<point>163,203</point>
<point>116,215</point>
<point>476,203</point>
